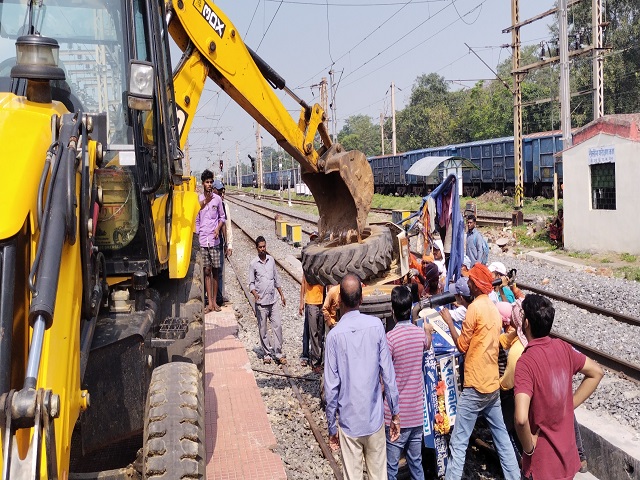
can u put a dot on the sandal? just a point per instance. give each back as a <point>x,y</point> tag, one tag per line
<point>216,309</point>
<point>208,309</point>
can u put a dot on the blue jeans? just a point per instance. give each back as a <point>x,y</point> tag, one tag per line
<point>410,442</point>
<point>471,404</point>
<point>220,292</point>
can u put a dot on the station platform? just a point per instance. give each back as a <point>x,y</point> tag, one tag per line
<point>239,441</point>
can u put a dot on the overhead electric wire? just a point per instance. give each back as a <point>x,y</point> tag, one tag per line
<point>357,44</point>
<point>415,46</point>
<point>269,26</point>
<point>401,38</point>
<point>382,4</point>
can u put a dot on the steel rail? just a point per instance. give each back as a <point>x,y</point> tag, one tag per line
<point>324,447</point>
<point>244,204</point>
<point>612,363</point>
<point>480,216</point>
<point>621,317</point>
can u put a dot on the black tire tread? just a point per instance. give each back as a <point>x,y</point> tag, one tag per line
<point>328,265</point>
<point>174,446</point>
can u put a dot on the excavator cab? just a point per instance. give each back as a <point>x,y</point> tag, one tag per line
<point>100,294</point>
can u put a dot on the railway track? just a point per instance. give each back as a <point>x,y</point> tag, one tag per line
<point>483,219</point>
<point>315,429</point>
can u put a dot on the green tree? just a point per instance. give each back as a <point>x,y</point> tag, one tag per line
<point>359,133</point>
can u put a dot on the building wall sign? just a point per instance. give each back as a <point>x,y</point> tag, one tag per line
<point>599,155</point>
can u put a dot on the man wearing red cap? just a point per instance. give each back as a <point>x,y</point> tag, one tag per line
<point>479,340</point>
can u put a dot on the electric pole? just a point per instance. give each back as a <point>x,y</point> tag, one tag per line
<point>332,87</point>
<point>598,59</point>
<point>238,177</point>
<point>324,100</point>
<point>393,118</point>
<point>382,131</point>
<point>518,200</point>
<point>259,156</point>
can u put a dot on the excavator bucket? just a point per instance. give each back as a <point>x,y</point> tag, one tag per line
<point>343,190</point>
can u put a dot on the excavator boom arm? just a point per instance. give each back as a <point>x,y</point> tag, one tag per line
<point>341,182</point>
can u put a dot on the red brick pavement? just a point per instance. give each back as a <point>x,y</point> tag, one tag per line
<point>239,438</point>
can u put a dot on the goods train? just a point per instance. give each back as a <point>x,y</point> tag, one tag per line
<point>494,159</point>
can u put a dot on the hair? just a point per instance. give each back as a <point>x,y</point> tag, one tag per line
<point>415,292</point>
<point>351,297</point>
<point>260,239</point>
<point>206,175</point>
<point>466,298</point>
<point>539,311</point>
<point>401,302</point>
<point>471,217</point>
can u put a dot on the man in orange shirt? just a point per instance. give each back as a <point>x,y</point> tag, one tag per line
<point>331,306</point>
<point>313,333</point>
<point>479,340</point>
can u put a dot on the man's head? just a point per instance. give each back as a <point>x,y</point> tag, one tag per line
<point>437,250</point>
<point>350,293</point>
<point>480,280</point>
<point>261,246</point>
<point>538,316</point>
<point>498,269</point>
<point>461,290</point>
<point>401,302</point>
<point>471,222</point>
<point>207,180</point>
<point>431,276</point>
<point>218,186</point>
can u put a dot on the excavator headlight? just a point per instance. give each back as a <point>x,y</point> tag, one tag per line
<point>141,80</point>
<point>37,58</point>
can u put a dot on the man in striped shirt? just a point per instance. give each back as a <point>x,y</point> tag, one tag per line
<point>407,342</point>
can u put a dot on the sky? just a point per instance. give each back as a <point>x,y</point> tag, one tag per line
<point>369,44</point>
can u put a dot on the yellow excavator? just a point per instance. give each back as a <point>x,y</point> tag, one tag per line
<point>101,324</point>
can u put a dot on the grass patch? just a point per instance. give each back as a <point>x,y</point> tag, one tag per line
<point>629,273</point>
<point>606,260</point>
<point>627,257</point>
<point>579,254</point>
<point>539,240</point>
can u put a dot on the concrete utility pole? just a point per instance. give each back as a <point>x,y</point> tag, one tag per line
<point>259,157</point>
<point>518,200</point>
<point>598,59</point>
<point>238,177</point>
<point>393,118</point>
<point>565,92</point>
<point>382,131</point>
<point>324,100</point>
<point>334,117</point>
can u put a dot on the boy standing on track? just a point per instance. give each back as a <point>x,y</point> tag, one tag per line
<point>263,283</point>
<point>544,395</point>
<point>209,221</point>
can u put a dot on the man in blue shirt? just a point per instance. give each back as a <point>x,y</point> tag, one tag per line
<point>356,356</point>
<point>477,247</point>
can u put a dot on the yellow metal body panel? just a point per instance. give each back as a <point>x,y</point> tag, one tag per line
<point>185,209</point>
<point>178,252</point>
<point>25,135</point>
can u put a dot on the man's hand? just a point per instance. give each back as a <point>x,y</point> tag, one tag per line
<point>284,302</point>
<point>394,428</point>
<point>428,328</point>
<point>255,295</point>
<point>228,252</point>
<point>300,309</point>
<point>334,442</point>
<point>413,273</point>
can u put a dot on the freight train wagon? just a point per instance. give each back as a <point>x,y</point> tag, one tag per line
<point>494,161</point>
<point>273,180</point>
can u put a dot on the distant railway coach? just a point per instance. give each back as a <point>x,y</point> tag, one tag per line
<point>493,158</point>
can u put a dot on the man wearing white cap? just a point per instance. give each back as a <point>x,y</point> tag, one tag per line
<point>501,293</point>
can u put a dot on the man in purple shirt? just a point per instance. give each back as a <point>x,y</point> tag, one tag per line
<point>356,356</point>
<point>209,221</point>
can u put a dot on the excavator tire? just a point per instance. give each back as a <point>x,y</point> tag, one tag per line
<point>174,445</point>
<point>327,264</point>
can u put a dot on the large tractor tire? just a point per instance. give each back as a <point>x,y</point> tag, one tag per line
<point>376,301</point>
<point>174,445</point>
<point>328,264</point>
